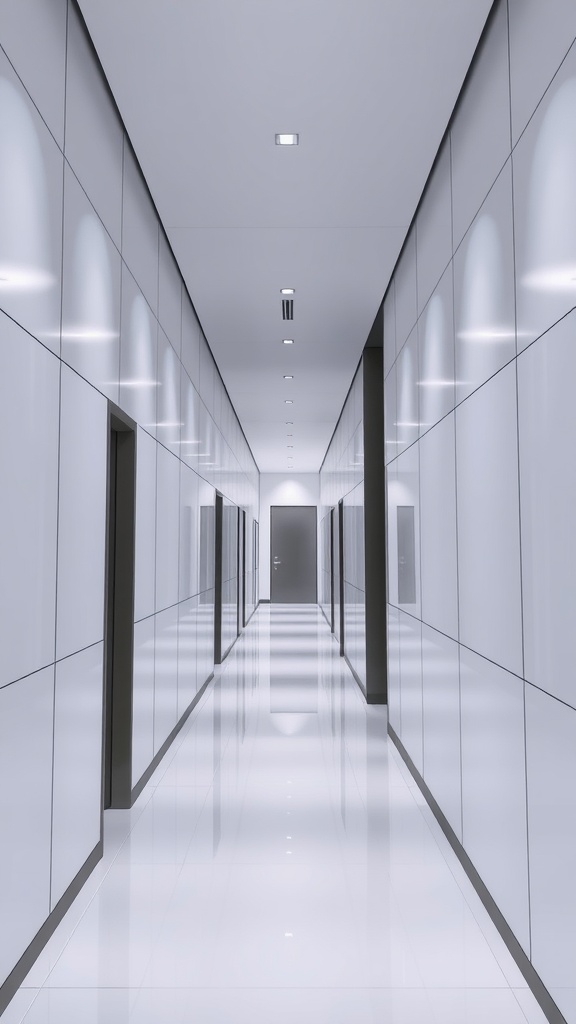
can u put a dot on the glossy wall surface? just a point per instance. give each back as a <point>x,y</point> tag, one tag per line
<point>229,626</point>
<point>342,477</point>
<point>479,364</point>
<point>92,308</point>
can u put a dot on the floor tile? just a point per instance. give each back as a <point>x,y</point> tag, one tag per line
<point>280,865</point>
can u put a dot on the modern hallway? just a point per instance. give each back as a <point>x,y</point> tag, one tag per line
<point>280,866</point>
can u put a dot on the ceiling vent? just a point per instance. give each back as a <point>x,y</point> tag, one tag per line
<point>287,309</point>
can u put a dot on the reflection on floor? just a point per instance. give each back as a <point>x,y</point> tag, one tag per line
<point>280,866</point>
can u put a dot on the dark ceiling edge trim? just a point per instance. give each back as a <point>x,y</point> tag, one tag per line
<point>77,8</point>
<point>444,139</point>
<point>446,134</point>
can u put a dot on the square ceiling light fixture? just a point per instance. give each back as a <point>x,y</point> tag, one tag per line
<point>287,140</point>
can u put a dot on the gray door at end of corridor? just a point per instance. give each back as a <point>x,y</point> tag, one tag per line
<point>293,554</point>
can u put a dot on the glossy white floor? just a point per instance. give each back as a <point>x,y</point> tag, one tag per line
<point>280,866</point>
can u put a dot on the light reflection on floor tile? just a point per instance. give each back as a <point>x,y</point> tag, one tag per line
<point>280,865</point>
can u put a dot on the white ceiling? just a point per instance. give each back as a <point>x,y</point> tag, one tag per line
<point>203,86</point>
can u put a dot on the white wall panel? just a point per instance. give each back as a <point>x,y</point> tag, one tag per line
<point>91,293</point>
<point>205,636</point>
<point>33,35</point>
<point>488,522</point>
<point>547,418</point>
<point>138,356</point>
<point>30,214</point>
<point>410,635</point>
<point>189,534</point>
<point>551,760</point>
<point>29,399</point>
<point>494,785</point>
<point>190,417</point>
<point>390,417</point>
<point>392,497</point>
<point>26,717</point>
<point>441,723</point>
<point>406,292</point>
<point>93,130</point>
<point>145,546</point>
<point>389,328</point>
<point>165,675</point>
<point>405,492</point>
<point>139,230</point>
<point>207,457</point>
<point>168,421</point>
<point>207,376</point>
<point>190,341</point>
<point>394,692</point>
<point>167,523</point>
<point>481,132</point>
<point>438,557</point>
<point>484,291</point>
<point>545,210</point>
<point>548,30</point>
<point>169,295</point>
<point>77,794</point>
<point>436,357</point>
<point>407,396</point>
<point>81,515</point>
<point>187,653</point>
<point>143,698</point>
<point>434,228</point>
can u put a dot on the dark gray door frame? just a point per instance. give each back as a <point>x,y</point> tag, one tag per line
<point>295,551</point>
<point>341,572</point>
<point>218,580</point>
<point>119,613</point>
<point>241,569</point>
<point>331,542</point>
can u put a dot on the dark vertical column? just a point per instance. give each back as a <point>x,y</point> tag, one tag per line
<point>374,518</point>
<point>341,608</point>
<point>218,582</point>
<point>242,570</point>
<point>331,526</point>
<point>120,614</point>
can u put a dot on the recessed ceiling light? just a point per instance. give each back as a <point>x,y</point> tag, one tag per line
<point>289,423</point>
<point>288,376</point>
<point>288,341</point>
<point>288,401</point>
<point>287,140</point>
<point>287,291</point>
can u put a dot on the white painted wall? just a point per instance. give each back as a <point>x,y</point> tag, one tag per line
<point>280,489</point>
<point>480,364</point>
<point>92,307</point>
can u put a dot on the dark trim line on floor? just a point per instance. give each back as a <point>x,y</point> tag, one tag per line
<point>167,742</point>
<point>377,698</point>
<point>18,973</point>
<point>355,675</point>
<point>264,600</point>
<point>251,616</point>
<point>325,616</point>
<point>532,978</point>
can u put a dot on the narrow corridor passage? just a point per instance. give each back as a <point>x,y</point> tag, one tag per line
<point>281,866</point>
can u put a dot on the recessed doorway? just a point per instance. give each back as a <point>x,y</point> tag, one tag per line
<point>293,561</point>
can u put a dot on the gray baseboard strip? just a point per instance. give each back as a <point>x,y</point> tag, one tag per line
<point>533,979</point>
<point>17,975</point>
<point>137,789</point>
